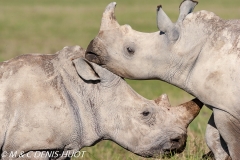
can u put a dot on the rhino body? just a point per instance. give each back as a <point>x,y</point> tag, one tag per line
<point>200,54</point>
<point>61,102</point>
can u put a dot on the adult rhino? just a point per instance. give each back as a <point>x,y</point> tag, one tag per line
<point>60,103</point>
<point>199,54</point>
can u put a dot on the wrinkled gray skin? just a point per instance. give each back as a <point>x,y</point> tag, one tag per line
<point>62,102</point>
<point>199,53</point>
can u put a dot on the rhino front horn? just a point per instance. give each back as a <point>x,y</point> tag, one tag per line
<point>189,110</point>
<point>109,19</point>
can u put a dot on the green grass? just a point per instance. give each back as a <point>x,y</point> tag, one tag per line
<point>46,26</point>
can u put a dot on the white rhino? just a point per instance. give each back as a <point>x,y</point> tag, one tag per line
<point>61,103</point>
<point>199,54</point>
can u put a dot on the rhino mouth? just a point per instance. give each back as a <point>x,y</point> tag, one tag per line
<point>171,152</point>
<point>98,59</point>
<point>93,57</point>
<point>162,153</point>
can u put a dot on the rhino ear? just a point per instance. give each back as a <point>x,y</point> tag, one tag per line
<point>92,72</point>
<point>165,25</point>
<point>85,70</point>
<point>185,8</point>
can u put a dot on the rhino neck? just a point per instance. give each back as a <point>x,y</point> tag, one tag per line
<point>212,72</point>
<point>186,51</point>
<point>80,98</point>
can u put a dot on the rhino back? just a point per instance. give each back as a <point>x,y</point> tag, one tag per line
<point>34,104</point>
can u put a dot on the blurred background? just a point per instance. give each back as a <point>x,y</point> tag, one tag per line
<point>46,26</point>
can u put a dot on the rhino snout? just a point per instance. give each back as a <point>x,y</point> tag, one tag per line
<point>96,53</point>
<point>176,144</point>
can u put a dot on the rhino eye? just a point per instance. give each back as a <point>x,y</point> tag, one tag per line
<point>145,113</point>
<point>130,50</point>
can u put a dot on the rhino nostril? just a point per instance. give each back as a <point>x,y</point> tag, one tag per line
<point>178,143</point>
<point>176,140</point>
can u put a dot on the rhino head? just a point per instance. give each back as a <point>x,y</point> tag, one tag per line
<point>137,55</point>
<point>148,128</point>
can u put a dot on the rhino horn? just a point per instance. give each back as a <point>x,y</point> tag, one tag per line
<point>189,110</point>
<point>163,101</point>
<point>185,8</point>
<point>109,19</point>
<point>165,25</point>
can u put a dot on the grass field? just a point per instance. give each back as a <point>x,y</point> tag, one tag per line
<point>46,26</point>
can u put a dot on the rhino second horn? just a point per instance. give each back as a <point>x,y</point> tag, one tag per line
<point>163,101</point>
<point>108,18</point>
<point>185,8</point>
<point>165,25</point>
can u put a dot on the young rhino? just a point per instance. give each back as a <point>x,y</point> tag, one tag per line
<point>199,53</point>
<point>61,103</point>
